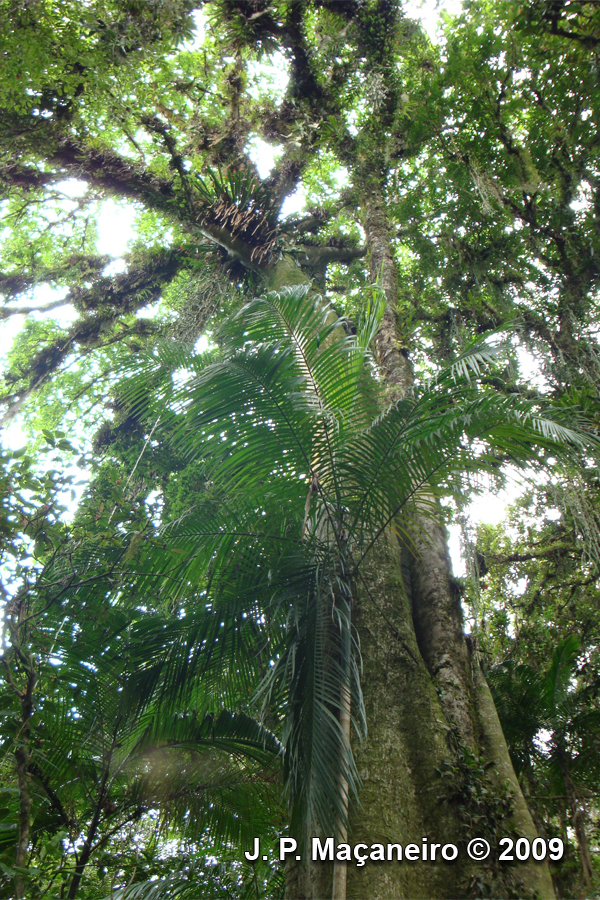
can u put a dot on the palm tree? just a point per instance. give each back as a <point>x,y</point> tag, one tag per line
<point>307,471</point>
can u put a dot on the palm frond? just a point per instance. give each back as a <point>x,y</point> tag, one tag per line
<point>302,478</point>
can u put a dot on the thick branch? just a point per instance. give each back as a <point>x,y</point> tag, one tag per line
<point>286,176</point>
<point>155,125</point>
<point>7,311</point>
<point>103,169</point>
<point>26,177</point>
<point>109,171</point>
<point>236,248</point>
<point>560,548</point>
<point>588,40</point>
<point>81,266</point>
<point>101,305</point>
<point>316,257</point>
<point>303,83</point>
<point>318,217</point>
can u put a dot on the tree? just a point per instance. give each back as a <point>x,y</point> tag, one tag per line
<point>130,116</point>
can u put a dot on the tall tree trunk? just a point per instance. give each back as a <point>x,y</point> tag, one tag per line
<point>425,696</point>
<point>435,602</point>
<point>408,787</point>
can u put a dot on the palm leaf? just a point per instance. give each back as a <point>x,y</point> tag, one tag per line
<point>283,419</point>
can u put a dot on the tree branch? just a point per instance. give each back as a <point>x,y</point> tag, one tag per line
<point>103,169</point>
<point>155,125</point>
<point>316,257</point>
<point>8,311</point>
<point>110,172</point>
<point>102,305</point>
<point>53,797</point>
<point>82,266</point>
<point>559,548</point>
<point>318,217</point>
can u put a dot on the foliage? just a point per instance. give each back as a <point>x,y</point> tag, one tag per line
<point>548,709</point>
<point>192,615</point>
<point>294,411</point>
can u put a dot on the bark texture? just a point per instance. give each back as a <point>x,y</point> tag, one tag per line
<point>392,358</point>
<point>405,796</point>
<point>431,627</point>
<point>439,631</point>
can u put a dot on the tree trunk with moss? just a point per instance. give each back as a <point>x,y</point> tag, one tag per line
<point>435,759</point>
<point>420,783</point>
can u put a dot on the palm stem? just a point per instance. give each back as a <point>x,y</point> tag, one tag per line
<point>340,869</point>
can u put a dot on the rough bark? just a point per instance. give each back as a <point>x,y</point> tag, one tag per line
<point>392,358</point>
<point>434,626</point>
<point>405,796</point>
<point>439,631</point>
